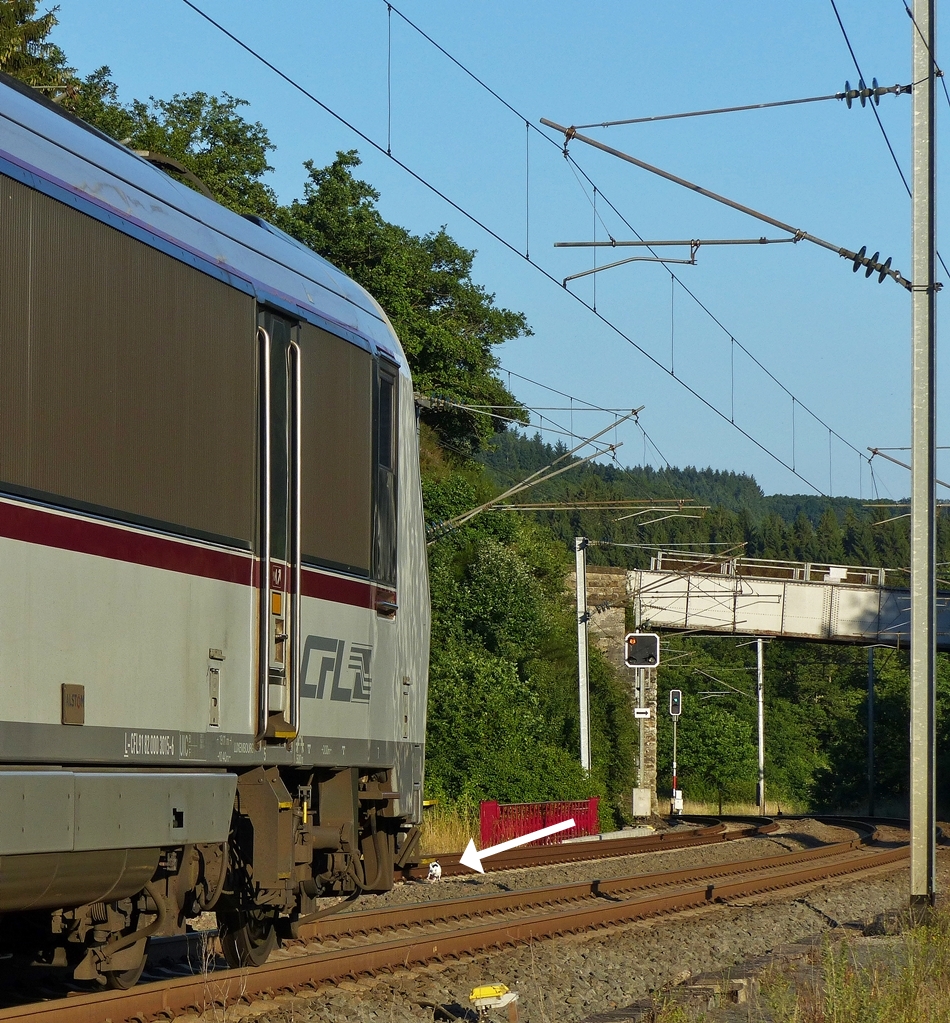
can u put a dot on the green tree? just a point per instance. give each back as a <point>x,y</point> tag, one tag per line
<point>804,541</point>
<point>26,53</point>
<point>829,539</point>
<point>448,325</point>
<point>503,674</point>
<point>716,750</point>
<point>207,135</point>
<point>858,541</point>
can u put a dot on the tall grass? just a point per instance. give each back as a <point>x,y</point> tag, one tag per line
<point>901,980</point>
<point>447,828</point>
<point>905,982</point>
<point>773,808</point>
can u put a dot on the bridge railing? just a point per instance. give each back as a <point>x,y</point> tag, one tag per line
<point>762,568</point>
<point>502,821</point>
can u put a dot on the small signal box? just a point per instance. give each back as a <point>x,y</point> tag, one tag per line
<point>641,650</point>
<point>676,703</point>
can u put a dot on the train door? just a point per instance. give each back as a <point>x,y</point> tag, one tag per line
<point>279,605</point>
<point>385,542</point>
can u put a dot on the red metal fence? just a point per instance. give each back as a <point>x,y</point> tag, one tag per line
<point>502,821</point>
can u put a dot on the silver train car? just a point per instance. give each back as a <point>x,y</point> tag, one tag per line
<point>214,608</point>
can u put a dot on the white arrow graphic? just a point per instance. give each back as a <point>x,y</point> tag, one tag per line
<point>472,858</point>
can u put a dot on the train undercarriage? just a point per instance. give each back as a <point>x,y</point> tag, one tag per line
<point>298,837</point>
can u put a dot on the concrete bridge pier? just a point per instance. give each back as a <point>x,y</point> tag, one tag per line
<point>607,598</point>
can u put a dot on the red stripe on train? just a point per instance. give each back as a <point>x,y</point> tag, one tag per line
<point>105,540</point>
<point>46,528</point>
<point>341,591</point>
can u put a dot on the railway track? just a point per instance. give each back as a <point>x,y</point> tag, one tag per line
<point>362,942</point>
<point>706,832</point>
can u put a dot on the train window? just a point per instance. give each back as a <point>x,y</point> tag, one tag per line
<point>384,545</point>
<point>386,432</point>
<point>337,451</point>
<point>127,378</point>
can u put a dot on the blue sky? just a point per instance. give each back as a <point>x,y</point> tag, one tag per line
<point>838,342</point>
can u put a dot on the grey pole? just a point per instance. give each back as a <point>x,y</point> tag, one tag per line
<point>583,674</point>
<point>923,470</point>
<point>760,699</point>
<point>641,702</point>
<point>675,781</point>
<point>870,731</point>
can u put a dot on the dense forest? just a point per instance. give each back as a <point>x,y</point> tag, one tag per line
<point>796,527</point>
<point>503,719</point>
<point>816,694</point>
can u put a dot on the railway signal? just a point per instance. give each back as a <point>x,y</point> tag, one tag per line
<point>676,708</point>
<point>641,650</point>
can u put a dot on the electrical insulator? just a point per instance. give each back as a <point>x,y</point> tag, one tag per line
<point>863,93</point>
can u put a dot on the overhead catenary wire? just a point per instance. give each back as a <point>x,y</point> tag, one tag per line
<point>705,309</point>
<point>691,242</point>
<point>571,133</point>
<point>694,246</point>
<point>523,405</point>
<point>877,116</point>
<point>903,465</point>
<point>937,71</point>
<point>389,80</point>
<point>440,529</point>
<point>592,408</point>
<point>482,225</point>
<point>595,408</point>
<point>539,476</point>
<point>663,546</point>
<point>577,169</point>
<point>495,412</point>
<point>850,93</point>
<point>646,505</point>
<point>734,341</point>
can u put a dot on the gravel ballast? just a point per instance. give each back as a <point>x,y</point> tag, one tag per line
<point>570,978</point>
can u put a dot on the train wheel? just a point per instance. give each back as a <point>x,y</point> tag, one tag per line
<point>122,980</point>
<point>247,936</point>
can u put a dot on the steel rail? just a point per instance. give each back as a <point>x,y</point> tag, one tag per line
<point>213,990</point>
<point>711,830</point>
<point>365,921</point>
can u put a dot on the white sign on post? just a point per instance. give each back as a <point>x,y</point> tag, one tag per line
<point>641,712</point>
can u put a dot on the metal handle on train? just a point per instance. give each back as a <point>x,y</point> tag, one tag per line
<point>293,695</point>
<point>264,341</point>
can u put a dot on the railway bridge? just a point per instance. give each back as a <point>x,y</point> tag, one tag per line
<point>709,594</point>
<point>794,600</point>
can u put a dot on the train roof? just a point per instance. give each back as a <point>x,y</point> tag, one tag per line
<point>63,156</point>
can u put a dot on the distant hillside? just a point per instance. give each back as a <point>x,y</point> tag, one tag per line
<point>514,456</point>
<point>799,527</point>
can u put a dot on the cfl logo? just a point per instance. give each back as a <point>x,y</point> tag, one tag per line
<point>322,670</point>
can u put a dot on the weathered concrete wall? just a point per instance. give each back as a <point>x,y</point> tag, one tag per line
<point>606,630</point>
<point>649,743</point>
